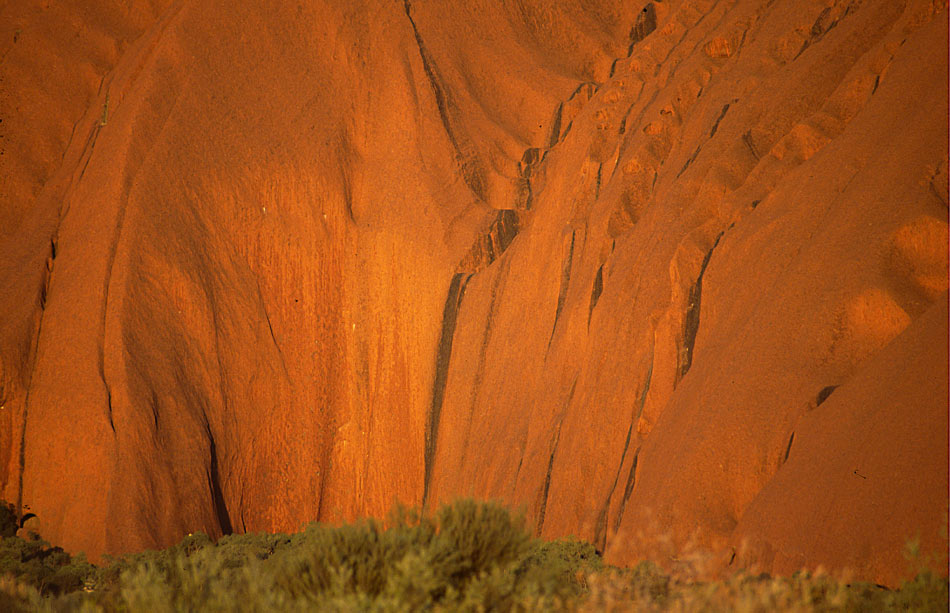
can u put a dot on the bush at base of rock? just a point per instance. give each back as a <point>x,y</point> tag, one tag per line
<point>467,556</point>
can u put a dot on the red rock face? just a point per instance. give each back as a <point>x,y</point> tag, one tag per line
<point>675,269</point>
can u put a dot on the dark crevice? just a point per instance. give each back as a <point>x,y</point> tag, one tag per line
<point>628,488</point>
<point>824,393</point>
<point>643,27</point>
<point>712,132</point>
<point>34,344</point>
<point>109,405</point>
<point>613,67</point>
<point>600,539</point>
<point>453,303</point>
<point>557,435</point>
<point>526,169</point>
<point>689,161</point>
<point>600,534</point>
<point>471,173</point>
<point>107,283</point>
<point>270,329</point>
<point>691,323</point>
<point>483,347</point>
<point>489,245</point>
<point>556,126</point>
<point>504,230</point>
<point>48,275</point>
<point>631,476</point>
<point>586,89</point>
<point>520,463</point>
<point>715,127</point>
<point>347,195</point>
<point>547,480</point>
<point>595,293</point>
<point>818,30</point>
<point>217,496</point>
<point>747,139</point>
<point>788,448</point>
<point>566,265</point>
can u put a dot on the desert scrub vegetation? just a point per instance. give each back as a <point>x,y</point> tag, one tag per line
<point>467,556</point>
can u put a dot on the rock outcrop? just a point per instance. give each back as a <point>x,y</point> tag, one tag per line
<point>666,274</point>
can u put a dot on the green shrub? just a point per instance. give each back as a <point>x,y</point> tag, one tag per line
<point>50,570</point>
<point>466,556</point>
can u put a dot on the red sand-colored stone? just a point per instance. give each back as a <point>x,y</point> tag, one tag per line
<point>665,274</point>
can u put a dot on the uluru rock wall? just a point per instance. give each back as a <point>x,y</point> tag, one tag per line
<point>671,268</point>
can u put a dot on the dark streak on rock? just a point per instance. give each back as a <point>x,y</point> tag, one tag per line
<point>747,139</point>
<point>595,292</point>
<point>601,535</point>
<point>788,448</point>
<point>347,195</point>
<point>566,265</point>
<point>691,323</point>
<point>628,488</point>
<point>632,475</point>
<point>453,303</point>
<point>556,126</point>
<point>547,479</point>
<point>824,393</point>
<point>504,230</point>
<point>818,31</point>
<point>587,89</point>
<point>214,484</point>
<point>109,406</point>
<point>722,114</point>
<point>689,161</point>
<point>471,173</point>
<point>526,169</point>
<point>645,24</point>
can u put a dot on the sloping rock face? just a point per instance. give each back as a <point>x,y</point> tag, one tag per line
<point>667,274</point>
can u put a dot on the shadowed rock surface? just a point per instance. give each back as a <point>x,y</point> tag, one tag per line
<point>666,274</point>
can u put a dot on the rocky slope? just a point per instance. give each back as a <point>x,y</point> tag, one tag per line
<point>668,274</point>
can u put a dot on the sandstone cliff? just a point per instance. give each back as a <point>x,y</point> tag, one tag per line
<point>666,269</point>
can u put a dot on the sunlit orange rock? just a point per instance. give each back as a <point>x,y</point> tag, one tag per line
<point>667,273</point>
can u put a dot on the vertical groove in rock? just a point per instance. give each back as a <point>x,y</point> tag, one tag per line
<point>628,488</point>
<point>34,344</point>
<point>595,292</point>
<point>547,480</point>
<point>453,303</point>
<point>788,448</point>
<point>469,166</point>
<point>214,484</point>
<point>566,265</point>
<point>691,321</point>
<point>601,535</point>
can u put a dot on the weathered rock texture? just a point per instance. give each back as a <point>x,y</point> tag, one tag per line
<point>672,268</point>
